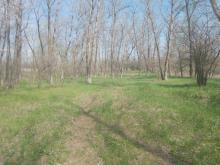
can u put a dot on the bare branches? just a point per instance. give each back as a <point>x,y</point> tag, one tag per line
<point>56,39</point>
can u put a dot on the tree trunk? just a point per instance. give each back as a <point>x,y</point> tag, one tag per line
<point>215,8</point>
<point>189,38</point>
<point>8,68</point>
<point>18,45</point>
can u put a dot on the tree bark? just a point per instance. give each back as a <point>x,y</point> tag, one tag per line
<point>215,8</point>
<point>189,38</point>
<point>18,44</point>
<point>8,68</point>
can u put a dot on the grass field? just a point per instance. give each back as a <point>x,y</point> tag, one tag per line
<point>136,120</point>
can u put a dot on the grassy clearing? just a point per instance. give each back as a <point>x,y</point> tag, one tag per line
<point>136,120</point>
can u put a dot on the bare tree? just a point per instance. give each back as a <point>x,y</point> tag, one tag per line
<point>18,42</point>
<point>205,57</point>
<point>156,34</point>
<point>91,34</point>
<point>116,8</point>
<point>190,7</point>
<point>50,58</point>
<point>170,25</point>
<point>8,77</point>
<point>205,48</point>
<point>215,8</point>
<point>3,34</point>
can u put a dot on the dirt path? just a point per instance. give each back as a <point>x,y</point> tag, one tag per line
<point>1,160</point>
<point>80,150</point>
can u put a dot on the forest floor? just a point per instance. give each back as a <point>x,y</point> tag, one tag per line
<point>135,120</point>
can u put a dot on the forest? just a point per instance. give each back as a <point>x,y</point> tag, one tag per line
<point>109,82</point>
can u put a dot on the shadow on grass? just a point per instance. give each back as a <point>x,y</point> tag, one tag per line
<point>139,144</point>
<point>211,85</point>
<point>214,102</point>
<point>120,83</point>
<point>178,85</point>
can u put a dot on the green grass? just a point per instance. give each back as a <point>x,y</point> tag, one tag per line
<point>139,120</point>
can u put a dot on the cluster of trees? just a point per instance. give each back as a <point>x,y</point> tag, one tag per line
<point>10,65</point>
<point>56,39</point>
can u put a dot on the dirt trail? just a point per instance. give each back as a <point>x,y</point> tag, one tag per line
<point>80,150</point>
<point>1,160</point>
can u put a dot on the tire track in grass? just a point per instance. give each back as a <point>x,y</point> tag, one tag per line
<point>157,152</point>
<point>80,150</point>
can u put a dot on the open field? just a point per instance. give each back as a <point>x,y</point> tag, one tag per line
<point>136,120</point>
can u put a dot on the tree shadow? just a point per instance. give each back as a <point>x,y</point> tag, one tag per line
<point>178,85</point>
<point>167,157</point>
<point>214,102</point>
<point>124,82</point>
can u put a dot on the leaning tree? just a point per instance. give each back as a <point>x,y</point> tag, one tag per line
<point>215,8</point>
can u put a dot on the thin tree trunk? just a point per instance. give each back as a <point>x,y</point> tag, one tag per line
<point>215,8</point>
<point>189,38</point>
<point>8,68</point>
<point>18,45</point>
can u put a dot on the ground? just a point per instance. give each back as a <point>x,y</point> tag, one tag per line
<point>135,120</point>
